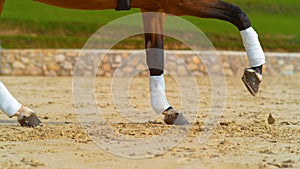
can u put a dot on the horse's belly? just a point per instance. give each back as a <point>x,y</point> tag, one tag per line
<point>81,4</point>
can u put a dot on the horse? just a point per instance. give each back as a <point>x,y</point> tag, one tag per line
<point>216,9</point>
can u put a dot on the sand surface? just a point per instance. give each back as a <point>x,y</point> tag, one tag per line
<point>242,137</point>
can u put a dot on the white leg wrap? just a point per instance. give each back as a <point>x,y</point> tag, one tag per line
<point>8,104</point>
<point>253,48</point>
<point>157,94</point>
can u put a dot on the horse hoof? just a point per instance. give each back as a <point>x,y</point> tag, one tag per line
<point>174,117</point>
<point>27,118</point>
<point>252,80</point>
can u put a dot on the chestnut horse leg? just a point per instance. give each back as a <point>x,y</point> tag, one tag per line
<point>228,12</point>
<point>1,5</point>
<point>224,11</point>
<point>154,45</point>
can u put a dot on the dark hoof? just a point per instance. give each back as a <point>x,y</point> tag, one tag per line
<point>174,117</point>
<point>28,118</point>
<point>252,80</point>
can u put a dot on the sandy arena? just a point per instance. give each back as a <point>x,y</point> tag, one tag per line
<point>242,139</point>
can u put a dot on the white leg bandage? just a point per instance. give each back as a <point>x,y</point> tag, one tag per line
<point>8,104</point>
<point>157,94</point>
<point>253,48</point>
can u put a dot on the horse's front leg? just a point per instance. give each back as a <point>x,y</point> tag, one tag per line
<point>12,107</point>
<point>1,5</point>
<point>154,45</point>
<point>228,12</point>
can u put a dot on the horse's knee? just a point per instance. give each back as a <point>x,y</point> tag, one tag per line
<point>238,17</point>
<point>209,9</point>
